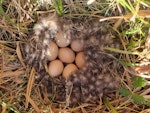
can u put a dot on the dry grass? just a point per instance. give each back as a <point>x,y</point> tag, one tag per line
<point>19,93</point>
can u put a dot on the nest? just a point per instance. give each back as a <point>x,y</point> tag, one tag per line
<point>95,80</point>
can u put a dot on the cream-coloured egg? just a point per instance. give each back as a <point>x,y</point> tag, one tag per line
<point>52,51</point>
<point>55,68</point>
<point>66,55</point>
<point>69,69</point>
<point>62,40</point>
<point>80,59</point>
<point>77,45</point>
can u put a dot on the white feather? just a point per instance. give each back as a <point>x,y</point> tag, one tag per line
<point>90,2</point>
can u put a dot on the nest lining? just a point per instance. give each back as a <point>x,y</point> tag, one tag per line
<point>87,85</point>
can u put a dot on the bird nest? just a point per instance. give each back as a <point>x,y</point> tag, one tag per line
<point>97,78</point>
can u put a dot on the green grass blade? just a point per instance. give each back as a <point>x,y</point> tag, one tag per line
<point>126,5</point>
<point>2,12</point>
<point>127,63</point>
<point>147,2</point>
<point>5,16</point>
<point>109,106</point>
<point>8,107</point>
<point>58,6</point>
<point>121,51</point>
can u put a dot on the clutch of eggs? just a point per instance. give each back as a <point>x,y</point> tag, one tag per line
<point>65,56</point>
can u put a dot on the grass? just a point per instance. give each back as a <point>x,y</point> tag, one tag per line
<point>130,19</point>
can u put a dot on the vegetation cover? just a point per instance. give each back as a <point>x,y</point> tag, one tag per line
<point>130,19</point>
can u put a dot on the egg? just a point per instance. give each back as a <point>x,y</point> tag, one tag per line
<point>80,59</point>
<point>77,45</point>
<point>55,68</point>
<point>52,51</point>
<point>62,40</point>
<point>69,69</point>
<point>66,55</point>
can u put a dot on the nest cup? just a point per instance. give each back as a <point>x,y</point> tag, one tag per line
<point>78,67</point>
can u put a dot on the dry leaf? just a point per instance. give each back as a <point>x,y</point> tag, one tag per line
<point>117,24</point>
<point>29,86</point>
<point>34,105</point>
<point>11,73</point>
<point>142,69</point>
<point>147,42</point>
<point>141,13</point>
<point>19,54</point>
